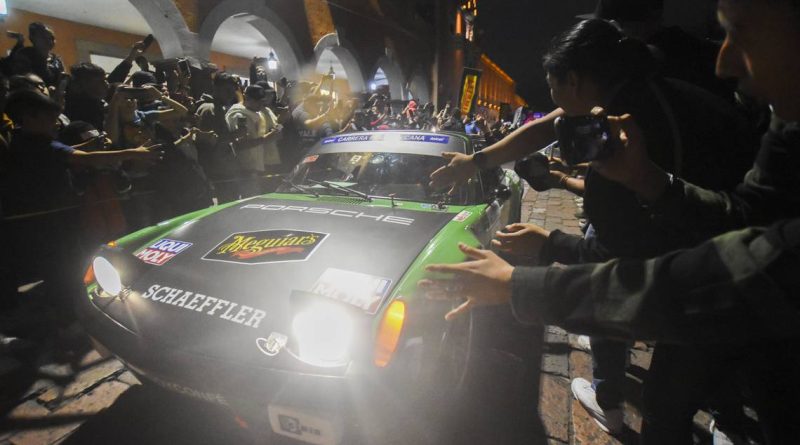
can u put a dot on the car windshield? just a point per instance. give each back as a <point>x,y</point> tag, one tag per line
<point>379,174</point>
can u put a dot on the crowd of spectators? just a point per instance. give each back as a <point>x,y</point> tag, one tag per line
<point>87,156</point>
<point>84,155</point>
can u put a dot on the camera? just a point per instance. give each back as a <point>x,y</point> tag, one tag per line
<point>138,93</point>
<point>584,138</point>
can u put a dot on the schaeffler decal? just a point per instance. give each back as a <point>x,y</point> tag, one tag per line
<point>267,246</point>
<point>331,212</point>
<point>361,290</point>
<point>162,251</point>
<point>462,216</point>
<point>211,306</point>
<point>272,345</point>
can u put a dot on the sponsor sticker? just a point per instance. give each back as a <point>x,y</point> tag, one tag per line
<point>462,216</point>
<point>212,306</point>
<point>266,246</point>
<point>361,290</point>
<point>435,139</point>
<point>273,344</point>
<point>348,138</point>
<point>310,159</point>
<point>389,219</point>
<point>162,251</point>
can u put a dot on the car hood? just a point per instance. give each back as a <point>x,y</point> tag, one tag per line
<point>222,285</point>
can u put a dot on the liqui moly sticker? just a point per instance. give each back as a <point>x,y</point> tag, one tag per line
<point>361,290</point>
<point>162,251</point>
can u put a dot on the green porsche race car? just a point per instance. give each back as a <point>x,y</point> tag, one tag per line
<point>299,309</point>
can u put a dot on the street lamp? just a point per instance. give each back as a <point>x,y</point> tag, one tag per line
<point>272,62</point>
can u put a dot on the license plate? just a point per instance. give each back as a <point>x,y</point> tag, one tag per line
<point>301,425</point>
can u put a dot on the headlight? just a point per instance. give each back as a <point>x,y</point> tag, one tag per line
<point>324,333</point>
<point>107,276</point>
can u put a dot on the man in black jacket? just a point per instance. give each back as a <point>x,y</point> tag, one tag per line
<point>738,288</point>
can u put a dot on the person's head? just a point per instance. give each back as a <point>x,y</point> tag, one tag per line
<point>80,132</point>
<point>142,78</point>
<point>34,112</point>
<point>41,37</point>
<point>269,100</point>
<point>142,63</point>
<point>89,79</point>
<point>587,64</point>
<point>225,89</point>
<point>28,81</point>
<point>762,38</point>
<point>637,18</point>
<point>255,98</point>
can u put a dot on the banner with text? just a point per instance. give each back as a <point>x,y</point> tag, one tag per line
<point>470,82</point>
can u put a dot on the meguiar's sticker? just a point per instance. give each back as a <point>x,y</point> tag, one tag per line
<point>273,344</point>
<point>266,246</point>
<point>462,216</point>
<point>310,159</point>
<point>361,290</point>
<point>162,251</point>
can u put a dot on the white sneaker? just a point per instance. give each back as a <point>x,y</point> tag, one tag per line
<point>719,437</point>
<point>610,420</point>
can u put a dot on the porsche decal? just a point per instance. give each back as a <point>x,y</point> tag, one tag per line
<point>266,246</point>
<point>332,212</point>
<point>211,306</point>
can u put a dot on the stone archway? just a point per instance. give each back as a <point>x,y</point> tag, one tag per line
<point>394,75</point>
<point>352,68</point>
<point>265,21</point>
<point>168,27</point>
<point>418,87</point>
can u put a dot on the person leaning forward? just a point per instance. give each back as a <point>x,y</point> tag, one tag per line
<point>739,288</point>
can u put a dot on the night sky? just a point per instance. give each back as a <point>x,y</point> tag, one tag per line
<point>516,34</point>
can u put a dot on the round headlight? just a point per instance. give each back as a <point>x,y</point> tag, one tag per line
<point>107,276</point>
<point>324,333</point>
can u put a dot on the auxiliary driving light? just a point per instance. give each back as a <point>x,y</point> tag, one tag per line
<point>107,276</point>
<point>324,332</point>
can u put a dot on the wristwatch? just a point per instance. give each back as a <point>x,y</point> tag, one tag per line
<point>479,158</point>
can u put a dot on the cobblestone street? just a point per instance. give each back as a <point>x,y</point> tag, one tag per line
<point>66,393</point>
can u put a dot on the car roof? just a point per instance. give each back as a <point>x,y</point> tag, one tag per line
<point>407,142</point>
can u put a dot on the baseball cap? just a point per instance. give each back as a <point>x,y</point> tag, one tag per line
<point>78,132</point>
<point>625,10</point>
<point>142,78</point>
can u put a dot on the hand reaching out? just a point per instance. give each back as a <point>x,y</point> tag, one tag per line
<point>484,281</point>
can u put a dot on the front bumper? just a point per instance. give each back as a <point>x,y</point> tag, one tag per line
<point>315,409</point>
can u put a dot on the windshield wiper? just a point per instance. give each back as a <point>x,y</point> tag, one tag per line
<point>300,188</point>
<point>346,190</point>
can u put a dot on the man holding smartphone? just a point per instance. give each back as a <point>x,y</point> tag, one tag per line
<point>39,58</point>
<point>256,129</point>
